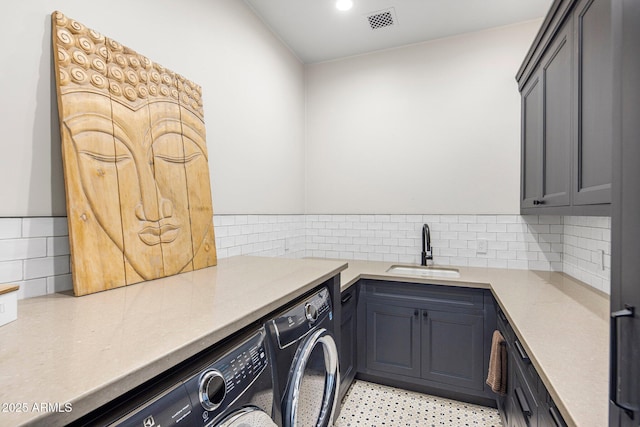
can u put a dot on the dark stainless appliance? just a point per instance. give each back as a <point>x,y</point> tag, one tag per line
<point>225,387</point>
<point>305,363</point>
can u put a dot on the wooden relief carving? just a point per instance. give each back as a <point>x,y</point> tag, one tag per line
<point>135,163</point>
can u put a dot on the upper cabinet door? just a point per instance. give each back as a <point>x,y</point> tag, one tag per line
<point>546,127</point>
<point>531,143</point>
<point>593,102</point>
<point>557,69</point>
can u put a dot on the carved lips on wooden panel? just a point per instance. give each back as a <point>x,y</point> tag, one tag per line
<point>135,163</point>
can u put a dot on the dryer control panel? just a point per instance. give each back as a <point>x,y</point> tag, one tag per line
<point>219,385</point>
<point>296,322</point>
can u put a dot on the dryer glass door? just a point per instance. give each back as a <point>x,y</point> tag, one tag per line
<point>250,416</point>
<point>312,391</point>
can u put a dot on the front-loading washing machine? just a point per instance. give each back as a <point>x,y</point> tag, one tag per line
<point>228,386</point>
<point>305,362</point>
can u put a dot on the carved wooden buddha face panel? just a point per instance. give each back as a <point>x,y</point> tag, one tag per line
<point>135,162</point>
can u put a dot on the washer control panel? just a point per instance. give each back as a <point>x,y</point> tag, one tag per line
<point>220,384</point>
<point>300,319</point>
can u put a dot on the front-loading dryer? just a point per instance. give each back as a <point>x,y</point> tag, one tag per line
<point>305,362</point>
<point>236,389</point>
<point>226,386</point>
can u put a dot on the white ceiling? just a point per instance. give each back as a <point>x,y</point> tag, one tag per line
<point>316,31</point>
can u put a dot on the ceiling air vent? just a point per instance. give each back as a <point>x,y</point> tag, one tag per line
<point>382,19</point>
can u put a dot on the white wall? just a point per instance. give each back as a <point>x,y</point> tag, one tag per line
<point>433,127</point>
<point>253,90</point>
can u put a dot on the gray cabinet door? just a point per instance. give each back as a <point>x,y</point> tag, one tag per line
<point>593,102</point>
<point>348,340</point>
<point>531,165</point>
<point>625,218</point>
<point>557,68</point>
<point>393,339</point>
<point>452,348</point>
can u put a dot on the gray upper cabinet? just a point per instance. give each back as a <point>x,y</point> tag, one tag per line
<point>565,85</point>
<point>556,72</point>
<point>594,102</point>
<point>532,143</point>
<point>546,127</point>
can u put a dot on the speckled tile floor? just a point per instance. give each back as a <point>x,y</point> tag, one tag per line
<point>373,405</point>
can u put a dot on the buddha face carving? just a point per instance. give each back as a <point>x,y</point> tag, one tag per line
<point>134,146</point>
<point>134,168</point>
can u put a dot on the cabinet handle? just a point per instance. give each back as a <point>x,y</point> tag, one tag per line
<point>425,314</point>
<point>415,313</point>
<point>502,316</point>
<point>555,416</point>
<point>628,311</point>
<point>345,299</point>
<point>522,401</point>
<point>523,354</point>
<point>538,202</point>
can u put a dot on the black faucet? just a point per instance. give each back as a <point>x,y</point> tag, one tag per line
<point>426,245</point>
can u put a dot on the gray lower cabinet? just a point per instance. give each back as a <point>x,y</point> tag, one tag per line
<point>348,339</point>
<point>393,338</point>
<point>452,348</point>
<point>527,402</point>
<point>427,337</point>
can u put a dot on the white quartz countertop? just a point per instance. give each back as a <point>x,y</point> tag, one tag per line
<point>85,351</point>
<point>562,323</point>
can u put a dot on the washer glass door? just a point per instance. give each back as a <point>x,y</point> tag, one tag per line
<point>312,391</point>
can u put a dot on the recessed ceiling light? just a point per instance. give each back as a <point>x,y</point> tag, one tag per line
<point>344,4</point>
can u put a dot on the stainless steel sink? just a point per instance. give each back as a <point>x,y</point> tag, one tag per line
<point>414,270</point>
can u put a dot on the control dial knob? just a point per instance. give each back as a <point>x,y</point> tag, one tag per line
<point>311,312</point>
<point>212,389</point>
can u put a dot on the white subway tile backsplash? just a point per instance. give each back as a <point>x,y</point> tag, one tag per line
<point>498,246</point>
<point>16,249</point>
<point>497,228</point>
<point>44,227</point>
<point>487,219</point>
<point>58,246</point>
<point>449,218</point>
<point>34,251</point>
<point>32,288</point>
<point>517,246</point>
<point>59,283</point>
<point>582,239</point>
<point>10,271</point>
<point>10,228</point>
<point>507,219</point>
<point>44,267</point>
<point>477,227</point>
